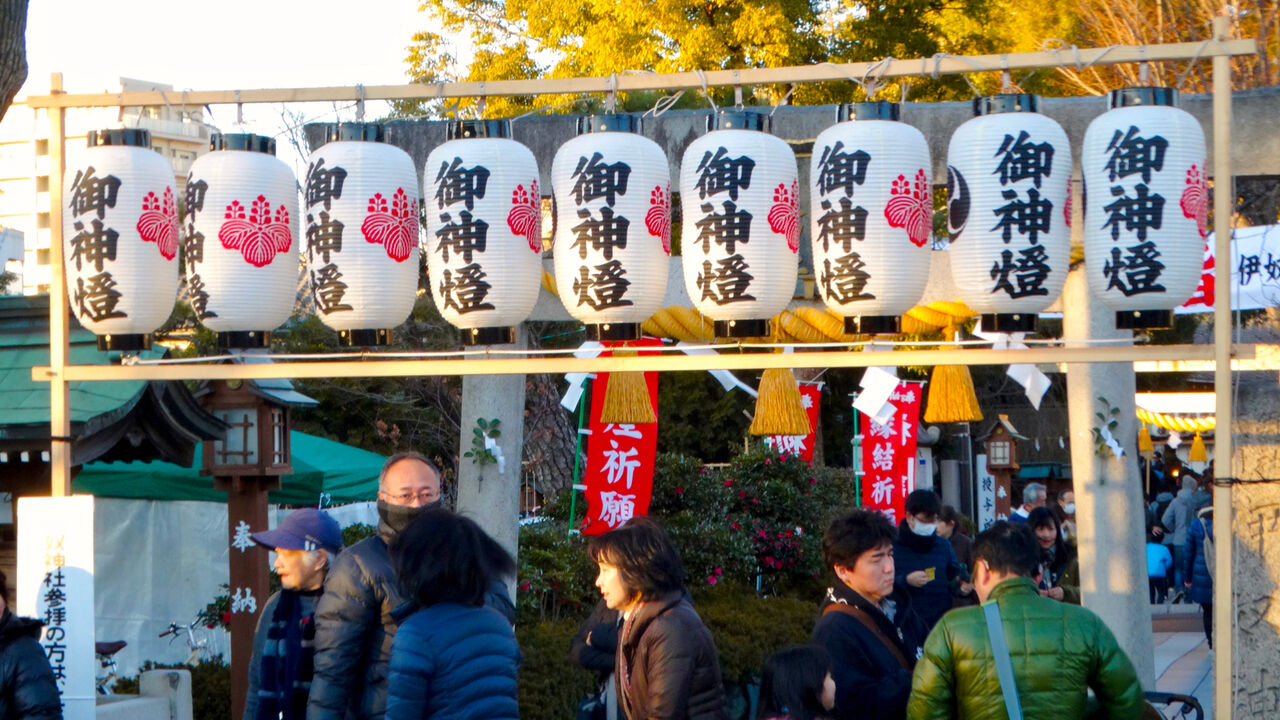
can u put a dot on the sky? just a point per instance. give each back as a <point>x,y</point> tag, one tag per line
<point>233,44</point>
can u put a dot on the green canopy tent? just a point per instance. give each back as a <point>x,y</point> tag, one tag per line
<point>346,474</point>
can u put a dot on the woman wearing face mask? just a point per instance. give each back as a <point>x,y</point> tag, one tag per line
<point>1065,512</point>
<point>1059,568</point>
<point>924,561</point>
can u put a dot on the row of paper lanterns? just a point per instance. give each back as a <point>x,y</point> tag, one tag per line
<point>870,217</point>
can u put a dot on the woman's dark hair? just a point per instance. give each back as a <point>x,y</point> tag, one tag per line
<point>444,557</point>
<point>853,534</point>
<point>791,683</point>
<point>647,562</point>
<point>1008,548</point>
<point>1045,517</point>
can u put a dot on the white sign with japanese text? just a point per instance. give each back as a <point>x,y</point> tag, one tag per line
<point>986,493</point>
<point>55,585</point>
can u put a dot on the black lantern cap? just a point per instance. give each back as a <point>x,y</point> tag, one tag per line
<point>1144,319</point>
<point>464,129</point>
<point>488,336</point>
<point>1006,103</point>
<point>244,340</point>
<point>354,131</point>
<point>126,137</point>
<point>364,338</point>
<point>742,328</point>
<point>738,120</point>
<point>873,325</point>
<point>876,110</point>
<point>1009,322</point>
<point>242,141</point>
<point>126,342</point>
<point>614,331</point>
<point>609,122</point>
<point>1134,96</point>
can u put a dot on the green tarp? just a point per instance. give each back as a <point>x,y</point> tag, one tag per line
<point>347,474</point>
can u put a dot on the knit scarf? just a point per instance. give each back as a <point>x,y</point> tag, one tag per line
<point>288,660</point>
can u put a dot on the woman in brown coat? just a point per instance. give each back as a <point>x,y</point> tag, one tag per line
<point>666,667</point>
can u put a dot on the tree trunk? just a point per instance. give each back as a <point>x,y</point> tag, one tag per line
<point>13,50</point>
<point>549,438</point>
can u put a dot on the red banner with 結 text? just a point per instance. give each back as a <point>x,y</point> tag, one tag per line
<point>889,453</point>
<point>620,462</point>
<point>801,445</point>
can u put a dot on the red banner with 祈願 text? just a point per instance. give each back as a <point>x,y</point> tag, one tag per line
<point>889,453</point>
<point>620,462</point>
<point>801,445</point>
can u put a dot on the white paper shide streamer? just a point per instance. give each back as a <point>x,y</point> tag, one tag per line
<point>739,192</point>
<point>120,238</point>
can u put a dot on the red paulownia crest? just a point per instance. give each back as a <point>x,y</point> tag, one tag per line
<point>258,234</point>
<point>658,219</point>
<point>1195,200</point>
<point>784,216</point>
<point>396,229</point>
<point>159,222</point>
<point>910,207</point>
<point>525,217</point>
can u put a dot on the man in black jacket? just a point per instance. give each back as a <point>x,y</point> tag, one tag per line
<point>867,625</point>
<point>354,617</point>
<point>28,690</point>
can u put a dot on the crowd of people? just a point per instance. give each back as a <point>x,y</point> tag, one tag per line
<point>921,621</point>
<point>1180,540</point>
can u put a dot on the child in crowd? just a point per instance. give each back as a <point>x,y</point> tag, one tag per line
<point>1159,562</point>
<point>796,684</point>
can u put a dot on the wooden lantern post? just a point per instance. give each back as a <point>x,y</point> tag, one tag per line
<point>1002,463</point>
<point>247,463</point>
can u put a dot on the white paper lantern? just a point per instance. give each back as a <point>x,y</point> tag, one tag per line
<point>120,238</point>
<point>739,192</point>
<point>612,190</point>
<point>484,230</point>
<point>241,243</point>
<point>870,216</point>
<point>361,237</point>
<point>1007,179</point>
<point>1145,209</point>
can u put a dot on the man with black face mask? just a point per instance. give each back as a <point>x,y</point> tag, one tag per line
<point>356,618</point>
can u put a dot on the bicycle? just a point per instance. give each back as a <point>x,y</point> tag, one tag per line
<point>197,645</point>
<point>106,652</point>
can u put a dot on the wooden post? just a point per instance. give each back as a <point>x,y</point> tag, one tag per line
<point>59,324</point>
<point>246,503</point>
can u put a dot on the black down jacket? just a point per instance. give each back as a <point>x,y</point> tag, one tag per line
<point>668,668</point>
<point>27,688</point>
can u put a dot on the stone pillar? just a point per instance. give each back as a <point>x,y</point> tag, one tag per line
<point>1109,502</point>
<point>491,498</point>
<point>1256,556</point>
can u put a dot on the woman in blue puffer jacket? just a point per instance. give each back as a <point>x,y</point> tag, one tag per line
<point>452,658</point>
<point>1196,569</point>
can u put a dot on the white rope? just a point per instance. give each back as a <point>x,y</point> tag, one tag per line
<point>702,77</point>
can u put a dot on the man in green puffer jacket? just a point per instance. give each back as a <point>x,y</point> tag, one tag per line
<point>1059,651</point>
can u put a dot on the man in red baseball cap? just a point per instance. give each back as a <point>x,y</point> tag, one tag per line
<point>284,643</point>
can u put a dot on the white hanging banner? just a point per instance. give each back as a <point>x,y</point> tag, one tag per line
<point>986,493</point>
<point>55,586</point>
<point>1255,271</point>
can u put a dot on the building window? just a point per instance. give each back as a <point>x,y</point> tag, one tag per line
<point>42,256</point>
<point>42,183</point>
<point>42,288</point>
<point>42,221</point>
<point>42,147</point>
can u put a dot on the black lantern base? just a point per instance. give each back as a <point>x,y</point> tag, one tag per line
<point>126,342</point>
<point>1144,319</point>
<point>244,339</point>
<point>488,336</point>
<point>614,331</point>
<point>364,338</point>
<point>873,325</point>
<point>1009,322</point>
<point>742,328</point>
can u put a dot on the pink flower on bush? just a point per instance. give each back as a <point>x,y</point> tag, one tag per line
<point>769,561</point>
<point>736,526</point>
<point>767,461</point>
<point>728,482</point>
<point>524,586</point>
<point>755,501</point>
<point>813,481</point>
<point>718,572</point>
<point>679,491</point>
<point>711,579</point>
<point>742,493</point>
<point>763,534</point>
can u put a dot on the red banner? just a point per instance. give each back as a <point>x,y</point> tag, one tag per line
<point>889,453</point>
<point>801,445</point>
<point>620,461</point>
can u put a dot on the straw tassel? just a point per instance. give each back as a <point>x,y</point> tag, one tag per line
<point>1145,446</point>
<point>626,398</point>
<point>1198,453</point>
<point>779,410</point>
<point>951,396</point>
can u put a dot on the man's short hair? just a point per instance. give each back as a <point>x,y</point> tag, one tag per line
<point>1008,548</point>
<point>923,501</point>
<point>646,560</point>
<point>1033,493</point>
<point>853,534</point>
<point>407,455</point>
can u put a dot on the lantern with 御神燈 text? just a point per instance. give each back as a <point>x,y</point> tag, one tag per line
<point>612,189</point>
<point>484,230</point>
<point>1007,178</point>
<point>871,216</point>
<point>1145,206</point>
<point>241,246</point>
<point>120,238</point>
<point>361,239</point>
<point>739,192</point>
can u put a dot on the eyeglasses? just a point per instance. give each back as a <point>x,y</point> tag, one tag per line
<point>425,495</point>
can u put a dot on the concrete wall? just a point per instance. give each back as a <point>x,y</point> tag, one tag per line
<point>163,695</point>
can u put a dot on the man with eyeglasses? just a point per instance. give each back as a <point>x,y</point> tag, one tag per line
<point>354,616</point>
